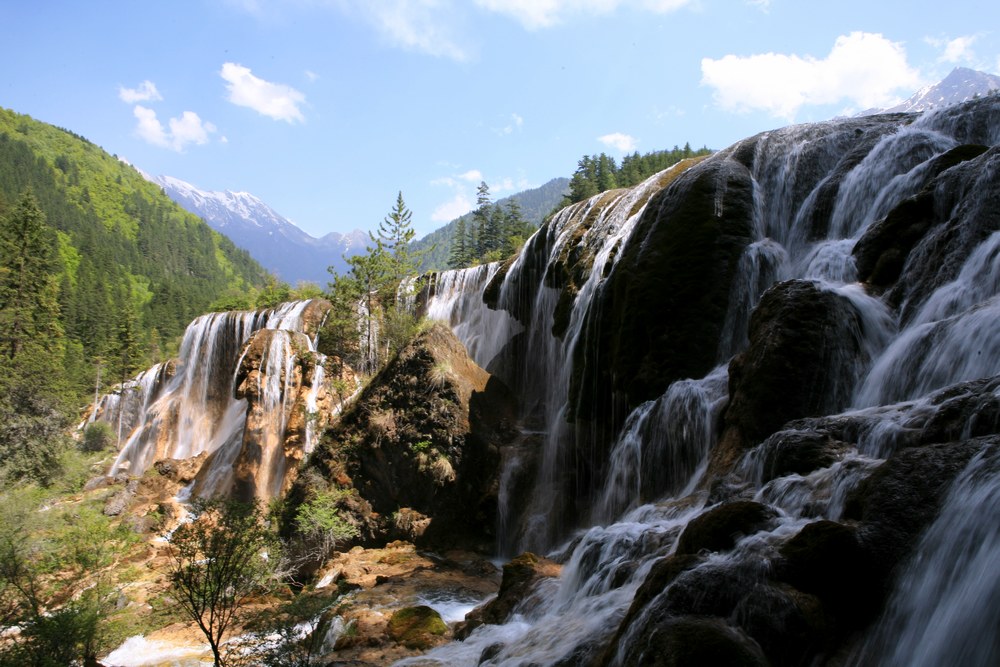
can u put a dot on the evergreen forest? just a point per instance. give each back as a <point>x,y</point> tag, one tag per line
<point>100,275</point>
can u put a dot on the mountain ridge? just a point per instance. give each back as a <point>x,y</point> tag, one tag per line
<point>961,85</point>
<point>274,240</point>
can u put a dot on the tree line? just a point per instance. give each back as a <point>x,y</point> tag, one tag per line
<point>598,173</point>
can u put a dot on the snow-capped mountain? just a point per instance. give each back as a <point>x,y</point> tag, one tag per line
<point>961,85</point>
<point>270,238</point>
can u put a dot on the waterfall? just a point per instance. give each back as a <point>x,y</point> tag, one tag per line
<point>196,411</point>
<point>817,191</point>
<point>946,606</point>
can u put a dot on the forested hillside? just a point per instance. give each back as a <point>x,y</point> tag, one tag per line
<point>131,268</point>
<point>534,205</point>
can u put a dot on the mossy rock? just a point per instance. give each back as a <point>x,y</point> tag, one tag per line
<point>417,627</point>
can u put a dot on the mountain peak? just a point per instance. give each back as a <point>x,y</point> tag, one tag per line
<point>270,238</point>
<point>961,84</point>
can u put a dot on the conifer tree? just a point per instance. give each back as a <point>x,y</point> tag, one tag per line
<point>485,238</point>
<point>459,255</point>
<point>26,244</point>
<point>396,232</point>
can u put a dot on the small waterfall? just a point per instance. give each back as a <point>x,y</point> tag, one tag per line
<point>952,338</point>
<point>662,444</point>
<point>196,411</point>
<point>946,606</point>
<point>457,299</point>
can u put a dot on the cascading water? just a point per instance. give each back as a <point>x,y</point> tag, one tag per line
<point>817,190</point>
<point>196,411</point>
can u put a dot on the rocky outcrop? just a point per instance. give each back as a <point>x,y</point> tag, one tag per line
<point>668,293</point>
<point>805,350</point>
<point>924,241</point>
<point>421,444</point>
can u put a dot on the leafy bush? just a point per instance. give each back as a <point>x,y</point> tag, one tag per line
<point>97,437</point>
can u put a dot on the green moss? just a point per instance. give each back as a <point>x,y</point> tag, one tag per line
<point>416,627</point>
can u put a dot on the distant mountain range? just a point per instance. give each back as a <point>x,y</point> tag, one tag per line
<point>961,85</point>
<point>293,254</point>
<point>269,237</point>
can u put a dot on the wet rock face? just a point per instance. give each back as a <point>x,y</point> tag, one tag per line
<point>804,346</point>
<point>881,253</point>
<point>276,390</point>
<point>941,226</point>
<point>669,292</point>
<point>423,440</point>
<point>721,527</point>
<point>521,577</point>
<point>689,641</point>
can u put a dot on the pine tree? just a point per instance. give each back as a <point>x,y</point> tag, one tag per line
<point>459,256</point>
<point>396,233</point>
<point>26,265</point>
<point>485,238</point>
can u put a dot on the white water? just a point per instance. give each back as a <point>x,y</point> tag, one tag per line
<point>196,410</point>
<point>953,338</point>
<point>946,609</point>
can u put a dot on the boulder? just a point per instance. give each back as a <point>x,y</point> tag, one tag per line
<point>689,641</point>
<point>719,528</point>
<point>421,444</point>
<point>805,348</point>
<point>521,577</point>
<point>799,451</point>
<point>881,253</point>
<point>417,627</point>
<point>662,308</point>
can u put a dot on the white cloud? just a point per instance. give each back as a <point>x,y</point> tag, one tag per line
<point>515,123</point>
<point>864,69</point>
<point>184,131</point>
<point>955,50</point>
<point>535,14</point>
<point>312,76</point>
<point>458,205</point>
<point>275,100</point>
<point>426,26</point>
<point>146,92</point>
<point>472,176</point>
<point>620,142</point>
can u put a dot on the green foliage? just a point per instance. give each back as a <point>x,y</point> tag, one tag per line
<point>599,173</point>
<point>80,544</point>
<point>496,231</point>
<point>98,436</point>
<point>113,241</point>
<point>220,559</point>
<point>369,320</point>
<point>533,205</point>
<point>320,525</point>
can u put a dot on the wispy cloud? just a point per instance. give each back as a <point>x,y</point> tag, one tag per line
<point>458,205</point>
<point>146,92</point>
<point>762,5</point>
<point>184,131</point>
<point>274,100</point>
<point>536,14</point>
<point>620,142</point>
<point>426,26</point>
<point>514,123</point>
<point>955,50</point>
<point>472,176</point>
<point>863,69</point>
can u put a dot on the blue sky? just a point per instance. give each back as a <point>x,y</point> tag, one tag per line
<point>326,108</point>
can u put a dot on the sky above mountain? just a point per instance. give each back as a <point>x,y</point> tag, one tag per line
<point>326,108</point>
